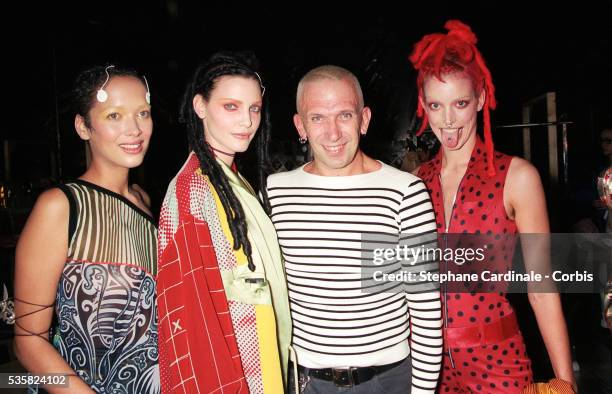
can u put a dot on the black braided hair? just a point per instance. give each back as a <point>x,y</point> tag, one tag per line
<point>203,83</point>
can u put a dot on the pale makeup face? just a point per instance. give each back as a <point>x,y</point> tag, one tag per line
<point>452,109</point>
<point>232,114</point>
<point>121,127</point>
<point>332,119</point>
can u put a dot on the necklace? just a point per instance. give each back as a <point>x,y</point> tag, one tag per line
<point>225,153</point>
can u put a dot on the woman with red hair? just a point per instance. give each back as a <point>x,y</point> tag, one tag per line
<point>477,190</point>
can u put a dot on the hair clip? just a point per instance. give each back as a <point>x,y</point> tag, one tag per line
<point>263,88</point>
<point>102,96</point>
<point>148,95</point>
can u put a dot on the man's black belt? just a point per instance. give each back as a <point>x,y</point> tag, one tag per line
<point>347,377</point>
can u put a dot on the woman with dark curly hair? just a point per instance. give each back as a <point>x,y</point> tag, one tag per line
<point>88,252</point>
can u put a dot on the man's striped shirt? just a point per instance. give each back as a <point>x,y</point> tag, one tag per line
<point>327,228</point>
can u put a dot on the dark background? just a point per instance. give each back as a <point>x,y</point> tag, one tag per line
<point>531,48</point>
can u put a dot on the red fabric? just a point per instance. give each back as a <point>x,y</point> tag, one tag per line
<point>479,209</point>
<point>198,350</point>
<point>482,334</point>
<point>500,368</point>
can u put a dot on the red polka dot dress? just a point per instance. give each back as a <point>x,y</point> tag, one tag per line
<point>484,349</point>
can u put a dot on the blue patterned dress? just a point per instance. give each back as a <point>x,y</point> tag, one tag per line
<point>106,302</point>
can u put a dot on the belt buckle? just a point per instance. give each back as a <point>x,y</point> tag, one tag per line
<point>342,377</point>
<point>303,382</point>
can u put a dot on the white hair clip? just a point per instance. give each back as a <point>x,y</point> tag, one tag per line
<point>148,95</point>
<point>263,88</point>
<point>102,96</point>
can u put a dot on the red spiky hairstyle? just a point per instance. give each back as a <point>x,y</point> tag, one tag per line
<point>438,54</point>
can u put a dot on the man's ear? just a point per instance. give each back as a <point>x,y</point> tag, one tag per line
<point>199,106</point>
<point>299,126</point>
<point>81,128</point>
<point>366,115</point>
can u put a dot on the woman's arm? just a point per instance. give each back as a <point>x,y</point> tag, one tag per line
<point>525,201</point>
<point>39,260</point>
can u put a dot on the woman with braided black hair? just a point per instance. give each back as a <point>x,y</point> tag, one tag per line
<point>223,310</point>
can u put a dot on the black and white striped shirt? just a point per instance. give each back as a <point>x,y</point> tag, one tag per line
<point>325,227</point>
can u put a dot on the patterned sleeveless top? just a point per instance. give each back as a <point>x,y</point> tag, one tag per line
<point>106,303</point>
<point>478,209</point>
